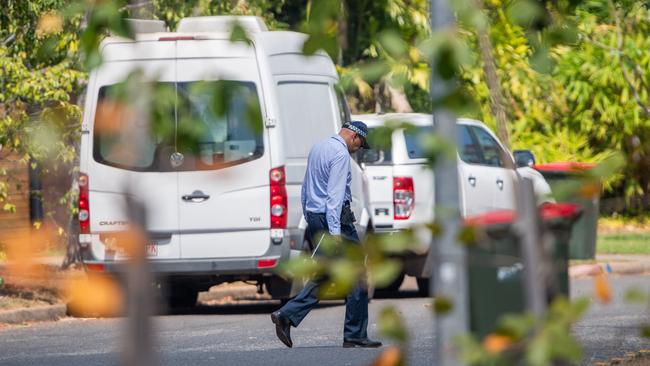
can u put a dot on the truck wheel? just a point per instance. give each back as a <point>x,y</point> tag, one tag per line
<point>181,296</point>
<point>423,286</point>
<point>278,287</point>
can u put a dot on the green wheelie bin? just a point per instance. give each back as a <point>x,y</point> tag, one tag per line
<point>566,176</point>
<point>496,267</point>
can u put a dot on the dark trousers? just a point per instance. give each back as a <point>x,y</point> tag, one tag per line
<point>356,306</point>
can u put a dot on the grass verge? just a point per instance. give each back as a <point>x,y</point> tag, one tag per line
<point>624,243</point>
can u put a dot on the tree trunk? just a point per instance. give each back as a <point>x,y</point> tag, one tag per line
<point>493,82</point>
<point>72,253</point>
<point>398,100</point>
<point>342,34</point>
<point>140,9</point>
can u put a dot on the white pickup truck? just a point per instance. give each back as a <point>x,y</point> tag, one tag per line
<point>399,182</point>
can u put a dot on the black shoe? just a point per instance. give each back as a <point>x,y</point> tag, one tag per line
<point>364,343</point>
<point>282,327</point>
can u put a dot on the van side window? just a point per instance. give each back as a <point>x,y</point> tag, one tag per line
<point>468,150</point>
<point>492,152</point>
<point>307,115</point>
<point>344,110</point>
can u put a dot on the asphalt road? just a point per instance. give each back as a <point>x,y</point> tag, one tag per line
<point>243,335</point>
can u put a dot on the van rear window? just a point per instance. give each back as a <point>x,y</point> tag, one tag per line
<point>202,125</point>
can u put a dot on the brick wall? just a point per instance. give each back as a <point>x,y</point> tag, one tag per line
<point>14,224</point>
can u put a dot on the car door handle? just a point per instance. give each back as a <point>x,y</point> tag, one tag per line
<point>196,196</point>
<point>472,180</point>
<point>500,184</point>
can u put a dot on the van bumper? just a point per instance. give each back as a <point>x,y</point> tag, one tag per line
<point>230,266</point>
<point>265,264</point>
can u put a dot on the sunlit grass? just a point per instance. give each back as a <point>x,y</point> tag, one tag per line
<point>624,243</point>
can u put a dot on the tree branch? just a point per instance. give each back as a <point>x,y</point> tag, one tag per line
<point>620,38</point>
<point>11,38</point>
<point>492,79</point>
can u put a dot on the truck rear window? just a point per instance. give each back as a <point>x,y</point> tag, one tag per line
<point>414,141</point>
<point>202,125</point>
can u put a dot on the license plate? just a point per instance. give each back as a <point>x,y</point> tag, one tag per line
<point>152,249</point>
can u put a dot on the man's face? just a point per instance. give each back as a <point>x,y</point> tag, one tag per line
<point>357,142</point>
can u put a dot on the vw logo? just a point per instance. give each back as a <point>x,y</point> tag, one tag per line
<point>176,159</point>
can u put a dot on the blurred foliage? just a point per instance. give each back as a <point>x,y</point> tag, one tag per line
<point>574,74</point>
<point>520,339</point>
<point>341,265</point>
<point>40,81</point>
<point>588,100</point>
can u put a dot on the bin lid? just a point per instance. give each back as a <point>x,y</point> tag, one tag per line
<point>499,217</point>
<point>562,210</point>
<point>564,166</point>
<point>548,212</point>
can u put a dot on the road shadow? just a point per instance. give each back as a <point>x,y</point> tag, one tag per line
<point>402,294</point>
<point>240,307</point>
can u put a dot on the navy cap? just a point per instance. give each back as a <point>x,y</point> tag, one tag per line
<point>361,129</point>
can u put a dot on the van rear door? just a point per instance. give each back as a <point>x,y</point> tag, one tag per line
<point>125,157</point>
<point>224,193</point>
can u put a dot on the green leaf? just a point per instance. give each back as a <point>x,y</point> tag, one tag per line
<point>442,305</point>
<point>637,296</point>
<point>393,43</point>
<point>516,326</point>
<point>8,207</point>
<point>384,272</point>
<point>239,34</point>
<point>525,12</point>
<point>301,267</point>
<point>391,325</point>
<point>373,71</point>
<point>645,331</point>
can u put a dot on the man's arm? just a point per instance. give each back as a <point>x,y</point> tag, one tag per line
<point>303,195</point>
<point>336,192</point>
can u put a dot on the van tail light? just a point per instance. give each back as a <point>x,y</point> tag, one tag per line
<point>95,267</point>
<point>278,198</point>
<point>403,197</point>
<point>84,205</point>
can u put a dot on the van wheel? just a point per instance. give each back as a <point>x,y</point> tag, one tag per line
<point>424,284</point>
<point>181,296</point>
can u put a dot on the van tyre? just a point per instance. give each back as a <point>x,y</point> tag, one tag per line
<point>180,296</point>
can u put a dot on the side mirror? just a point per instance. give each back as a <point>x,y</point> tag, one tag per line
<point>370,156</point>
<point>524,158</point>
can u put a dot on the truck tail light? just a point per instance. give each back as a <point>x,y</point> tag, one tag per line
<point>278,198</point>
<point>266,263</point>
<point>84,205</point>
<point>403,197</point>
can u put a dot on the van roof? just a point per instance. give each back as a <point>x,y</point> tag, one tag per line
<point>217,28</point>
<point>418,119</point>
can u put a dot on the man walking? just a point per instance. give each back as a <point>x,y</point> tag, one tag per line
<point>326,205</point>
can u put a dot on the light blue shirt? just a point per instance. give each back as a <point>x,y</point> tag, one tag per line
<point>327,181</point>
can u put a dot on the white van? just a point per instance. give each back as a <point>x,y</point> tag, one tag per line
<point>400,181</point>
<point>225,207</point>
